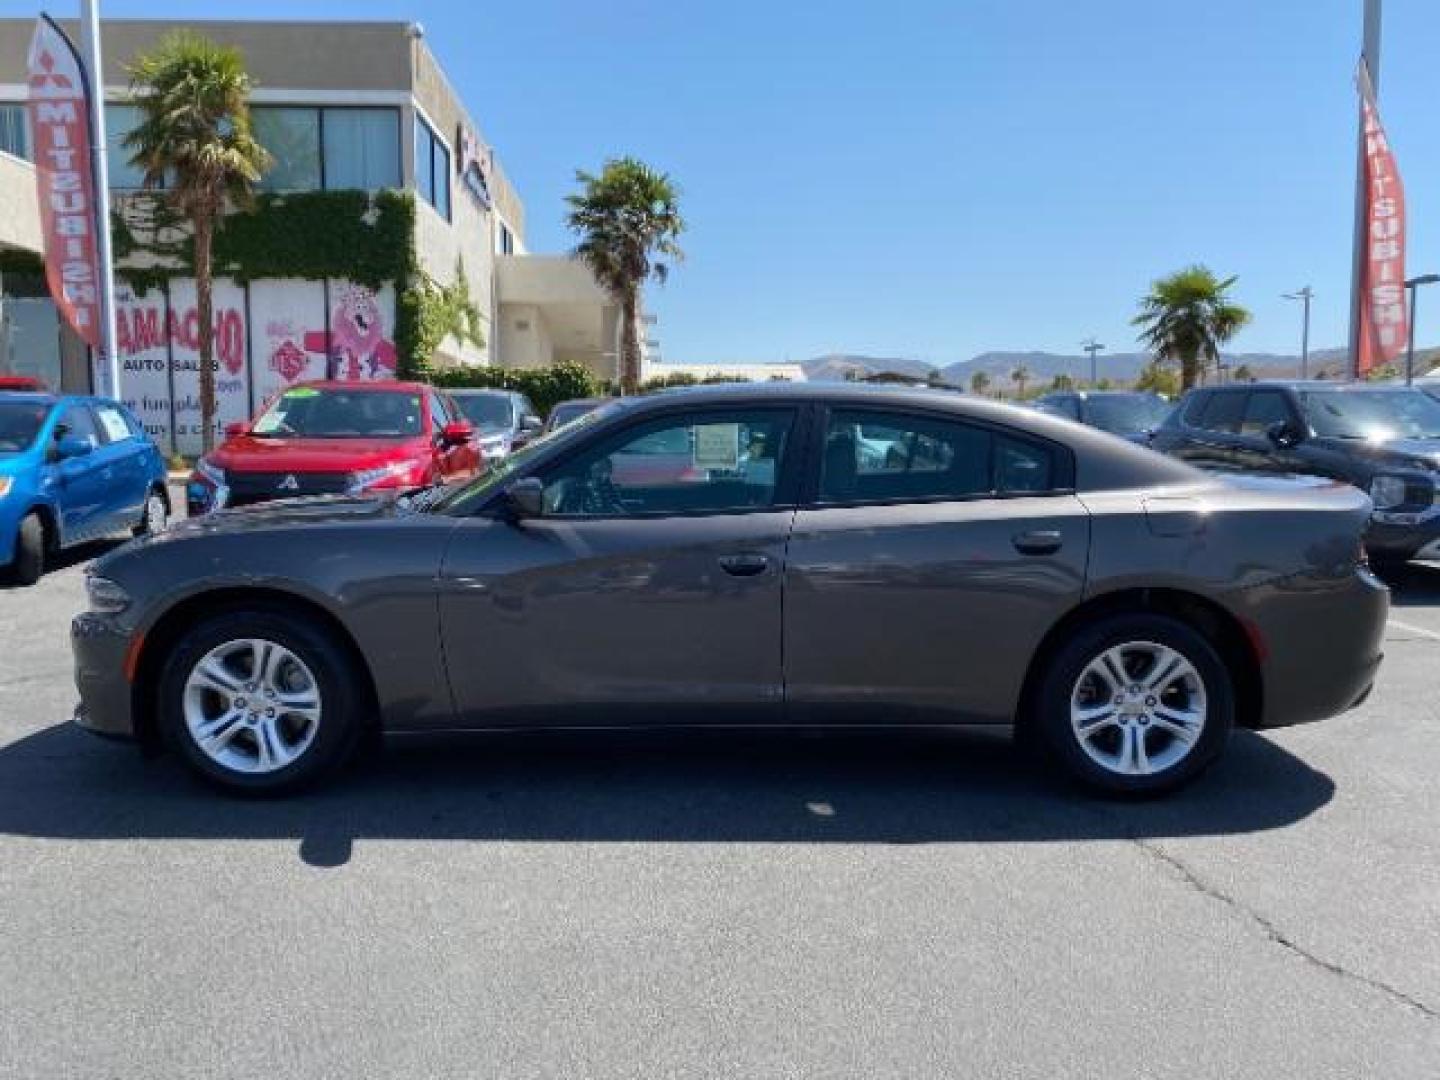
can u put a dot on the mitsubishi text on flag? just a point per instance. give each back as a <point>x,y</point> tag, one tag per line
<point>59,119</point>
<point>1383,319</point>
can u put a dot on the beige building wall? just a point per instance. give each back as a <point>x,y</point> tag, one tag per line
<point>19,209</point>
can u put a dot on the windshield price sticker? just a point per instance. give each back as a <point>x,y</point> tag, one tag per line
<point>717,446</point>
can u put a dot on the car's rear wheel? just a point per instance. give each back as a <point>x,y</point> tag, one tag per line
<point>29,561</point>
<point>259,702</point>
<point>1135,704</point>
<point>154,515</point>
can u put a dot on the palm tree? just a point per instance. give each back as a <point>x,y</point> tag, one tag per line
<point>1020,376</point>
<point>979,382</point>
<point>625,218</point>
<point>194,140</point>
<point>1186,317</point>
<point>1243,374</point>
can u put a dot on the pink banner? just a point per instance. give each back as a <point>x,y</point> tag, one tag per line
<point>59,119</point>
<point>1383,320</point>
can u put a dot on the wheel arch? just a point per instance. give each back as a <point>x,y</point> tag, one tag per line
<point>186,612</point>
<point>1223,629</point>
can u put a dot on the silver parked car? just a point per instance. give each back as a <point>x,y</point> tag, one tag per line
<point>783,554</point>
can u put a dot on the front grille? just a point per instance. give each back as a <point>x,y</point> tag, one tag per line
<point>253,487</point>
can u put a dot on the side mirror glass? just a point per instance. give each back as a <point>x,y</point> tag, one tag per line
<point>526,498</point>
<point>456,432</point>
<point>531,423</point>
<point>1284,433</point>
<point>73,446</point>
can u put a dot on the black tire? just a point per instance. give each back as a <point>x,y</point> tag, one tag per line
<point>153,514</point>
<point>343,704</point>
<point>1060,683</point>
<point>29,561</point>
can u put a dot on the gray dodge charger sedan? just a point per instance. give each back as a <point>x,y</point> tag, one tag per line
<point>781,555</point>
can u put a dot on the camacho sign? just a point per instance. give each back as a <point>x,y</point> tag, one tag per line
<point>473,164</point>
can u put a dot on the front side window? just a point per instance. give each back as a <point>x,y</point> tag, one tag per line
<point>292,136</point>
<point>308,412</point>
<point>893,457</point>
<point>1067,407</point>
<point>77,423</point>
<point>700,462</point>
<point>13,134</point>
<point>1263,410</point>
<point>362,148</point>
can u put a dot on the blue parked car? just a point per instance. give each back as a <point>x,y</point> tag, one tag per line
<point>72,469</point>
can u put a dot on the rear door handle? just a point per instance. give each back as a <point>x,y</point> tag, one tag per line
<point>1038,542</point>
<point>745,565</point>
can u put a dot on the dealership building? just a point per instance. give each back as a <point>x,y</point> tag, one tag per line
<point>383,199</point>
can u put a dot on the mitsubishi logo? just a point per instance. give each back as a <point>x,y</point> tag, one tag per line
<point>288,484</point>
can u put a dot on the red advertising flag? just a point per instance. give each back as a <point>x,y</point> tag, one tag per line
<point>59,120</point>
<point>1384,322</point>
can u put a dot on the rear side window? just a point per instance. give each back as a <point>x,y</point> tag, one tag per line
<point>1223,412</point>
<point>438,419</point>
<point>896,457</point>
<point>1067,407</point>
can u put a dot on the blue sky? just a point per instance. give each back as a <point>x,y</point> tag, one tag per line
<point>935,179</point>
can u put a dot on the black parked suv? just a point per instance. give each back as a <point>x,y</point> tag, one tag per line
<point>1383,439</point>
<point>1132,414</point>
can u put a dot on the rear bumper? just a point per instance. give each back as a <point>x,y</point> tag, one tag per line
<point>100,649</point>
<point>1323,645</point>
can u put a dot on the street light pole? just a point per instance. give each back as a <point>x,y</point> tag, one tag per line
<point>1304,294</point>
<point>1091,346</point>
<point>1413,284</point>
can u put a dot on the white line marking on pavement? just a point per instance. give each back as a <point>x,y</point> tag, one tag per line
<point>1409,628</point>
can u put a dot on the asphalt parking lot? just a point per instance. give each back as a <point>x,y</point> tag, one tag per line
<point>721,906</point>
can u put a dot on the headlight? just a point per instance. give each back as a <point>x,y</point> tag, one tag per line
<point>211,472</point>
<point>105,595</point>
<point>6,483</point>
<point>1387,491</point>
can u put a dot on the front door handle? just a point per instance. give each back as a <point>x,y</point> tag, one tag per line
<point>745,565</point>
<point>1038,542</point>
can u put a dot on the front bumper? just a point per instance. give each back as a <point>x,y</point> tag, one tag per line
<point>1399,540</point>
<point>101,648</point>
<point>1322,644</point>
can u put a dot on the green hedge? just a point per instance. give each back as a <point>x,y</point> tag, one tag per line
<point>545,387</point>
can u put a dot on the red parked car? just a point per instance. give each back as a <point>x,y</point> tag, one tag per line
<point>324,438</point>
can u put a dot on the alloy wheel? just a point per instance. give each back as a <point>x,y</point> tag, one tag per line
<point>252,706</point>
<point>1138,708</point>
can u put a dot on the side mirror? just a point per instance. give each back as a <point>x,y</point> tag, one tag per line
<point>234,428</point>
<point>525,498</point>
<point>531,423</point>
<point>1284,434</point>
<point>73,446</point>
<point>456,433</point>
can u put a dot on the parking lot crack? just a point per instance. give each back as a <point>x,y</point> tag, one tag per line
<point>1277,936</point>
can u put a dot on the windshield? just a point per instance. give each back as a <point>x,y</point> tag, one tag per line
<point>488,412</point>
<point>1126,414</point>
<point>476,491</point>
<point>309,412</point>
<point>1376,415</point>
<point>19,424</point>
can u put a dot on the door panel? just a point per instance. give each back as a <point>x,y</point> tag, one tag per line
<point>603,621</point>
<point>933,611</point>
<point>82,483</point>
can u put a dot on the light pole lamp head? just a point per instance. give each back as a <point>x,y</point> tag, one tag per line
<point>1422,279</point>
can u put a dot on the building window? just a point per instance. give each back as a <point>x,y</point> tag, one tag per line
<point>13,139</point>
<point>505,241</point>
<point>432,168</point>
<point>362,148</point>
<point>292,136</point>
<point>120,120</point>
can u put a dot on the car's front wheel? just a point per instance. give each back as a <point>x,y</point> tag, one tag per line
<point>257,701</point>
<point>30,548</point>
<point>154,515</point>
<point>1135,704</point>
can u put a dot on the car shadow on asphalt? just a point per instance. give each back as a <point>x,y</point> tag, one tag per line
<point>705,787</point>
<point>1413,584</point>
<point>64,560</point>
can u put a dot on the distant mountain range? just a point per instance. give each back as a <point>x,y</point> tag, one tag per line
<point>1044,366</point>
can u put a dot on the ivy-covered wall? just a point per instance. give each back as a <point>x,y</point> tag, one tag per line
<point>314,236</point>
